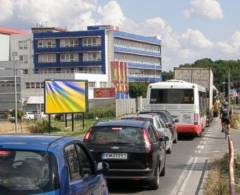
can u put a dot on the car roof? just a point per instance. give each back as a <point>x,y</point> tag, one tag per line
<point>127,123</point>
<point>28,142</point>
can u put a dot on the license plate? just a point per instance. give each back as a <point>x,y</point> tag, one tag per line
<point>114,156</point>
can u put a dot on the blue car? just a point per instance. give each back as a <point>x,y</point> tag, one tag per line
<point>48,165</point>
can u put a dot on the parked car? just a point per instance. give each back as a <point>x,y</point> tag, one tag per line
<point>29,116</point>
<point>133,149</point>
<point>158,124</point>
<point>168,119</point>
<point>48,165</point>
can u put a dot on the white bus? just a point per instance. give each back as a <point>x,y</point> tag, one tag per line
<point>186,101</point>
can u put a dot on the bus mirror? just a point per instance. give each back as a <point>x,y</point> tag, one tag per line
<point>176,120</point>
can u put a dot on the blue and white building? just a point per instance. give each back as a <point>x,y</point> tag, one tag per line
<point>87,55</point>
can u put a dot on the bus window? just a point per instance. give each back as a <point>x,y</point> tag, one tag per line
<point>171,96</point>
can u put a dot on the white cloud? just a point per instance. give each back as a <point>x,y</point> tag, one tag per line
<point>59,13</point>
<point>195,38</point>
<point>6,8</point>
<point>208,8</point>
<point>111,13</point>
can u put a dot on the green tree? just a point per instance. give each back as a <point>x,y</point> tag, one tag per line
<point>220,70</point>
<point>138,89</point>
<point>167,75</point>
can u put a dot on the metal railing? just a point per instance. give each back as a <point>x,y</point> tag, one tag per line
<point>231,167</point>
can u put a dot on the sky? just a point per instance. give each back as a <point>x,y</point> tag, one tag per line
<point>189,29</point>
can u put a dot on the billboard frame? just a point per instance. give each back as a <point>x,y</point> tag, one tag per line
<point>86,95</point>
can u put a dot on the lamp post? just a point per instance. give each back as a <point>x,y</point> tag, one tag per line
<point>14,54</point>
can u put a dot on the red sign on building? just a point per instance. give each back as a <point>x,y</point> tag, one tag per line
<point>104,92</point>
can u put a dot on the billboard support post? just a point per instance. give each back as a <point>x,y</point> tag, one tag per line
<point>72,121</point>
<point>49,123</point>
<point>83,120</point>
<point>65,117</point>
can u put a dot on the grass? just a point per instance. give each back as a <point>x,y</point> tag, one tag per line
<point>59,128</point>
<point>218,179</point>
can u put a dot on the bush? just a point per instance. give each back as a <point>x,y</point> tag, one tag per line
<point>235,122</point>
<point>41,127</point>
<point>104,112</point>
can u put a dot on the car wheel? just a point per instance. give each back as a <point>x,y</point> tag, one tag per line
<point>156,180</point>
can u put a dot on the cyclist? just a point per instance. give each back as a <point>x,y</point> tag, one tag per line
<point>225,115</point>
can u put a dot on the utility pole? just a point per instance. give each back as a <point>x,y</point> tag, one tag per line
<point>14,54</point>
<point>228,86</point>
<point>15,95</point>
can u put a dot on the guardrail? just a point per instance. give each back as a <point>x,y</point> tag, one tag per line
<point>231,167</point>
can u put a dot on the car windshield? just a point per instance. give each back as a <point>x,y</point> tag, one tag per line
<point>24,172</point>
<point>116,135</point>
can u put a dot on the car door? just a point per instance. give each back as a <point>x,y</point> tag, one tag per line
<point>155,144</point>
<point>82,177</point>
<point>77,185</point>
<point>95,182</point>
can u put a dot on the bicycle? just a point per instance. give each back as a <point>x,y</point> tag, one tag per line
<point>225,129</point>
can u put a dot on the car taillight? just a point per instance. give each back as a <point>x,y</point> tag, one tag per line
<point>146,139</point>
<point>196,118</point>
<point>87,135</point>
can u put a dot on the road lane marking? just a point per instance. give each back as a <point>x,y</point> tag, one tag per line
<point>182,177</point>
<point>181,191</point>
<point>200,147</point>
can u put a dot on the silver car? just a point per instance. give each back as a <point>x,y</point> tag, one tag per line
<point>158,124</point>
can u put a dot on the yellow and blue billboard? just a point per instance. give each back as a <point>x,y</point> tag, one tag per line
<point>65,96</point>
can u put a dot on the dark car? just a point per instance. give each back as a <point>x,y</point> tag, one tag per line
<point>49,165</point>
<point>168,119</point>
<point>133,149</point>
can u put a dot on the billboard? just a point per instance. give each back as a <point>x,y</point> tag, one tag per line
<point>119,78</point>
<point>65,96</point>
<point>104,92</point>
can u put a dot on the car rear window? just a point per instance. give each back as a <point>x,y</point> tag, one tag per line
<point>116,135</point>
<point>24,172</point>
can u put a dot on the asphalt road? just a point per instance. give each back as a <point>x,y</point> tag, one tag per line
<point>186,167</point>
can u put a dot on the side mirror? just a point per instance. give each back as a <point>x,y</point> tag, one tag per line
<point>102,167</point>
<point>176,120</point>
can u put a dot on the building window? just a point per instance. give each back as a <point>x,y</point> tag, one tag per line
<point>38,85</point>
<point>46,43</point>
<point>68,42</point>
<point>103,84</point>
<point>42,85</point>
<point>91,84</point>
<point>22,44</point>
<point>32,85</point>
<point>69,57</point>
<point>23,58</point>
<point>27,85</point>
<point>92,56</point>
<point>47,58</point>
<point>91,41</point>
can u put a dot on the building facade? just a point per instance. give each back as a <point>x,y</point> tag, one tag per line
<point>90,54</point>
<point>102,55</point>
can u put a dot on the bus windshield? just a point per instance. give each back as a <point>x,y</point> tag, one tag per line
<point>171,96</point>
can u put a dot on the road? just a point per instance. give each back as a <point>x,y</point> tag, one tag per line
<point>185,166</point>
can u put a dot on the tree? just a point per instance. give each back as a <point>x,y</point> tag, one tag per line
<point>138,89</point>
<point>167,75</point>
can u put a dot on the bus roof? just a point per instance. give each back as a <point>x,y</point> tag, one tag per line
<point>176,84</point>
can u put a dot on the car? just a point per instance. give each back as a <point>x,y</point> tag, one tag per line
<point>133,149</point>
<point>40,164</point>
<point>168,119</point>
<point>29,116</point>
<point>158,124</point>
